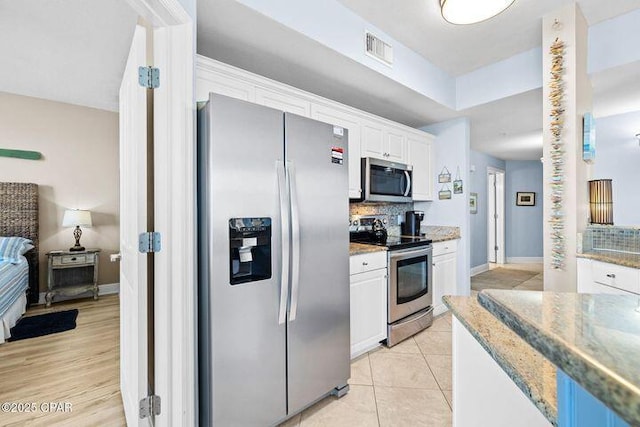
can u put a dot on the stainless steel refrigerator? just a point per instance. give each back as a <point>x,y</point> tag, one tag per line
<point>273,263</point>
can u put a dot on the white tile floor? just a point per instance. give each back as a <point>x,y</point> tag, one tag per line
<point>407,385</point>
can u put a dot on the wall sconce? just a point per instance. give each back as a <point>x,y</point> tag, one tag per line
<point>638,138</point>
<point>601,201</point>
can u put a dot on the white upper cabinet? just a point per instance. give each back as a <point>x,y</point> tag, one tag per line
<point>383,142</point>
<point>373,140</point>
<point>350,122</point>
<point>369,135</point>
<point>212,81</point>
<point>420,156</point>
<point>395,145</point>
<point>284,101</point>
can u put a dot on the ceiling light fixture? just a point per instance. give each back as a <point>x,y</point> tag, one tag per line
<point>464,12</point>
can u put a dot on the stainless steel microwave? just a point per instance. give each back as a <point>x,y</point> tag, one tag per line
<point>385,181</point>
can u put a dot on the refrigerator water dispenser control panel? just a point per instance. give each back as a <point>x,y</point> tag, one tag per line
<point>249,250</point>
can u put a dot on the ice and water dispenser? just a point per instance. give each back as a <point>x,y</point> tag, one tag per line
<point>249,249</point>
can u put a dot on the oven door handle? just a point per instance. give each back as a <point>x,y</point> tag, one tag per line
<point>408,190</point>
<point>399,255</point>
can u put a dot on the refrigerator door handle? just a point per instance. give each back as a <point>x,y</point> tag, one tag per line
<point>295,241</point>
<point>284,228</point>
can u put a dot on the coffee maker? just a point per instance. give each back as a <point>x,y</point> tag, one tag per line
<point>411,224</point>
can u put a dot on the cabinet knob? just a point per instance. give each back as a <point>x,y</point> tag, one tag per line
<point>611,275</point>
<point>433,264</point>
<point>73,259</point>
<point>365,263</point>
<point>446,247</point>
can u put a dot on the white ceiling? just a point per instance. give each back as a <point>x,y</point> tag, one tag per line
<point>459,49</point>
<point>71,51</point>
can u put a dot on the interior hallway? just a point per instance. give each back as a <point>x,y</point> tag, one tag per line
<point>528,277</point>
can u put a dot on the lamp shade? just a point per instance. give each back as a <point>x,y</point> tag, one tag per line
<point>601,201</point>
<point>74,217</point>
<point>472,11</point>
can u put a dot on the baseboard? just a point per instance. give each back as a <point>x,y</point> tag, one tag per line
<point>479,269</point>
<point>106,289</point>
<point>525,260</point>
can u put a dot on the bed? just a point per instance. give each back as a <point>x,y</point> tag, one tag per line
<point>19,279</point>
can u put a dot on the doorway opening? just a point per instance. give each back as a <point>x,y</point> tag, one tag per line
<point>495,217</point>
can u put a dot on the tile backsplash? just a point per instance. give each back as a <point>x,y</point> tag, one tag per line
<point>390,210</point>
<point>611,238</point>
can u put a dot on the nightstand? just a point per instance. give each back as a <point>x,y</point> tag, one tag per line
<point>72,273</point>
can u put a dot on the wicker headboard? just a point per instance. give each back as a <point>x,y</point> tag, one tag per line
<point>19,217</point>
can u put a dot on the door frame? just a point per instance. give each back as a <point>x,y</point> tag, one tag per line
<point>498,209</point>
<point>175,211</point>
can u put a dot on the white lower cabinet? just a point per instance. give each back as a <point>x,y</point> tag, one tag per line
<point>368,302</point>
<point>445,266</point>
<point>483,394</point>
<point>595,277</point>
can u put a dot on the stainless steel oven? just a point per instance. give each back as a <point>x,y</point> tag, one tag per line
<point>384,181</point>
<point>410,307</point>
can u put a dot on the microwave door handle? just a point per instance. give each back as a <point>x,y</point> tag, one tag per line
<point>295,242</point>
<point>408,190</point>
<point>284,228</point>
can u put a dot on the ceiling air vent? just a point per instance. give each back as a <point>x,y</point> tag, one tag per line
<point>378,49</point>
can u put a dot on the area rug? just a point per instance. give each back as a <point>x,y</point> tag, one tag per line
<point>44,324</point>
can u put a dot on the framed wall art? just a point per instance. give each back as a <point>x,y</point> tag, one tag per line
<point>525,199</point>
<point>473,203</point>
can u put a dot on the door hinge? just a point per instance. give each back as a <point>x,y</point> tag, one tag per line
<point>149,77</point>
<point>496,248</point>
<point>149,406</point>
<point>149,242</point>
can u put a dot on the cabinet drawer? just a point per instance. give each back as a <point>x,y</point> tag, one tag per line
<point>617,276</point>
<point>73,259</point>
<point>446,247</point>
<point>367,262</point>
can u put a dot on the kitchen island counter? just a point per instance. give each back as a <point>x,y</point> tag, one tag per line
<point>593,339</point>
<point>533,374</point>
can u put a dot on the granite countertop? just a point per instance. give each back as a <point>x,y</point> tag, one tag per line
<point>361,248</point>
<point>620,258</point>
<point>529,369</point>
<point>438,233</point>
<point>595,339</point>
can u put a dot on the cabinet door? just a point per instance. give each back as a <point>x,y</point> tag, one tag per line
<point>352,124</point>
<point>373,141</point>
<point>395,146</point>
<point>284,101</point>
<point>444,280</point>
<point>209,81</point>
<point>419,155</point>
<point>368,310</point>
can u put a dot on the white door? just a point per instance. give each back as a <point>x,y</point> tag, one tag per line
<point>500,239</point>
<point>491,217</point>
<point>133,221</point>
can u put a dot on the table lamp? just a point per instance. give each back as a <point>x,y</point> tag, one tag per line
<point>76,218</point>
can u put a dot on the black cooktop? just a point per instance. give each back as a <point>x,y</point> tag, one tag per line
<point>392,242</point>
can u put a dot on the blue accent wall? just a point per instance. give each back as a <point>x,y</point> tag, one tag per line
<point>478,184</point>
<point>523,228</point>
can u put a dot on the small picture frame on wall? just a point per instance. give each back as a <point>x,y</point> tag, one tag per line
<point>444,194</point>
<point>473,203</point>
<point>525,199</point>
<point>457,186</point>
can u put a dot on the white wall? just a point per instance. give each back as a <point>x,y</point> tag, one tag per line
<point>79,169</point>
<point>618,158</point>
<point>452,149</point>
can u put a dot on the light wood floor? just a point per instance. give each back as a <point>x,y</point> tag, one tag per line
<point>80,366</point>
